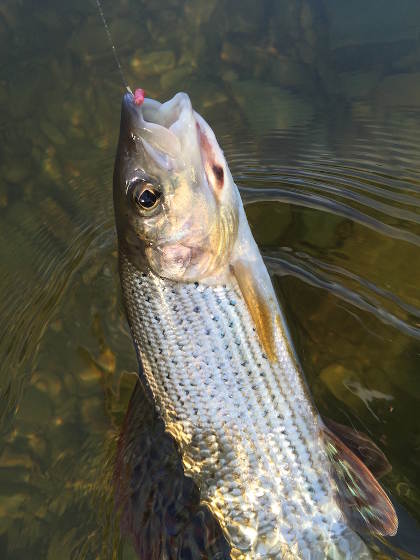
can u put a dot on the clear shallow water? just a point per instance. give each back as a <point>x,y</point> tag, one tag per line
<point>318,112</point>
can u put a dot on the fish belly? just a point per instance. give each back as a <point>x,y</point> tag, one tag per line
<point>247,432</point>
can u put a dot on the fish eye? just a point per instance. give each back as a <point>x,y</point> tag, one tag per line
<point>145,195</point>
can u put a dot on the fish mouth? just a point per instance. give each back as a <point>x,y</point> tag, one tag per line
<point>150,112</point>
<point>131,114</point>
<point>162,128</point>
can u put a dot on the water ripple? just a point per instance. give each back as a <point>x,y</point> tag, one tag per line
<point>309,271</point>
<point>46,243</point>
<point>319,202</point>
<point>364,182</point>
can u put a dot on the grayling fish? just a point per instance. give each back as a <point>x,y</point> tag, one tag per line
<point>215,352</point>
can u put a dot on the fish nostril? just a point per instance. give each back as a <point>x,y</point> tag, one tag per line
<point>219,174</point>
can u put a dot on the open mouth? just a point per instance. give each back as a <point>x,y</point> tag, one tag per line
<point>163,128</point>
<point>166,115</point>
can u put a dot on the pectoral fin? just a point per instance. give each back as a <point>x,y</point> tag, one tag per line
<point>362,499</point>
<point>362,446</point>
<point>258,307</point>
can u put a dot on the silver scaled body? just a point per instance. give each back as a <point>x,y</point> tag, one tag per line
<point>246,429</point>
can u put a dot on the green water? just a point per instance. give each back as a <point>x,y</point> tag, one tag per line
<point>317,107</point>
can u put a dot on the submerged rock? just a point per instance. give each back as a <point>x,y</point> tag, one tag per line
<point>287,72</point>
<point>359,85</point>
<point>269,222</point>
<point>53,133</point>
<point>383,22</point>
<point>230,75</point>
<point>9,10</point>
<point>89,40</point>
<point>127,32</point>
<point>247,20</point>
<point>232,54</point>
<point>268,107</point>
<point>408,62</point>
<point>36,407</point>
<point>399,90</point>
<point>174,80</point>
<point>4,199</point>
<point>320,229</point>
<point>166,28</point>
<point>339,380</point>
<point>61,69</point>
<point>4,94</point>
<point>199,11</point>
<point>363,393</point>
<point>5,34</point>
<point>15,171</point>
<point>152,63</point>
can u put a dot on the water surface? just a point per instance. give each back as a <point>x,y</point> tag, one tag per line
<point>317,107</point>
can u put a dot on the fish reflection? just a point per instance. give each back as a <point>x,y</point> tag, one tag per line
<point>159,506</point>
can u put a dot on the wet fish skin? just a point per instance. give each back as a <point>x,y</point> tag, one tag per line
<point>220,401</point>
<point>159,507</point>
<point>213,344</point>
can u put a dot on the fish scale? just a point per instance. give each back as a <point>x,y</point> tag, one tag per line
<point>245,428</point>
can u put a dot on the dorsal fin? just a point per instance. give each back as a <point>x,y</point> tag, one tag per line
<point>362,446</point>
<point>361,497</point>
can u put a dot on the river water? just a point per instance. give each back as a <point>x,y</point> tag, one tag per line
<point>316,104</point>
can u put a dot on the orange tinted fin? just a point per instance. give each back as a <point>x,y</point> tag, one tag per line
<point>362,499</point>
<point>258,307</point>
<point>362,446</point>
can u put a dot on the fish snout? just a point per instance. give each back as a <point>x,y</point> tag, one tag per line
<point>130,112</point>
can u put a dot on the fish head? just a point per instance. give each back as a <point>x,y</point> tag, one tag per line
<point>176,204</point>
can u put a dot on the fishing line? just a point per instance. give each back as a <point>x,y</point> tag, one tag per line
<point>111,42</point>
